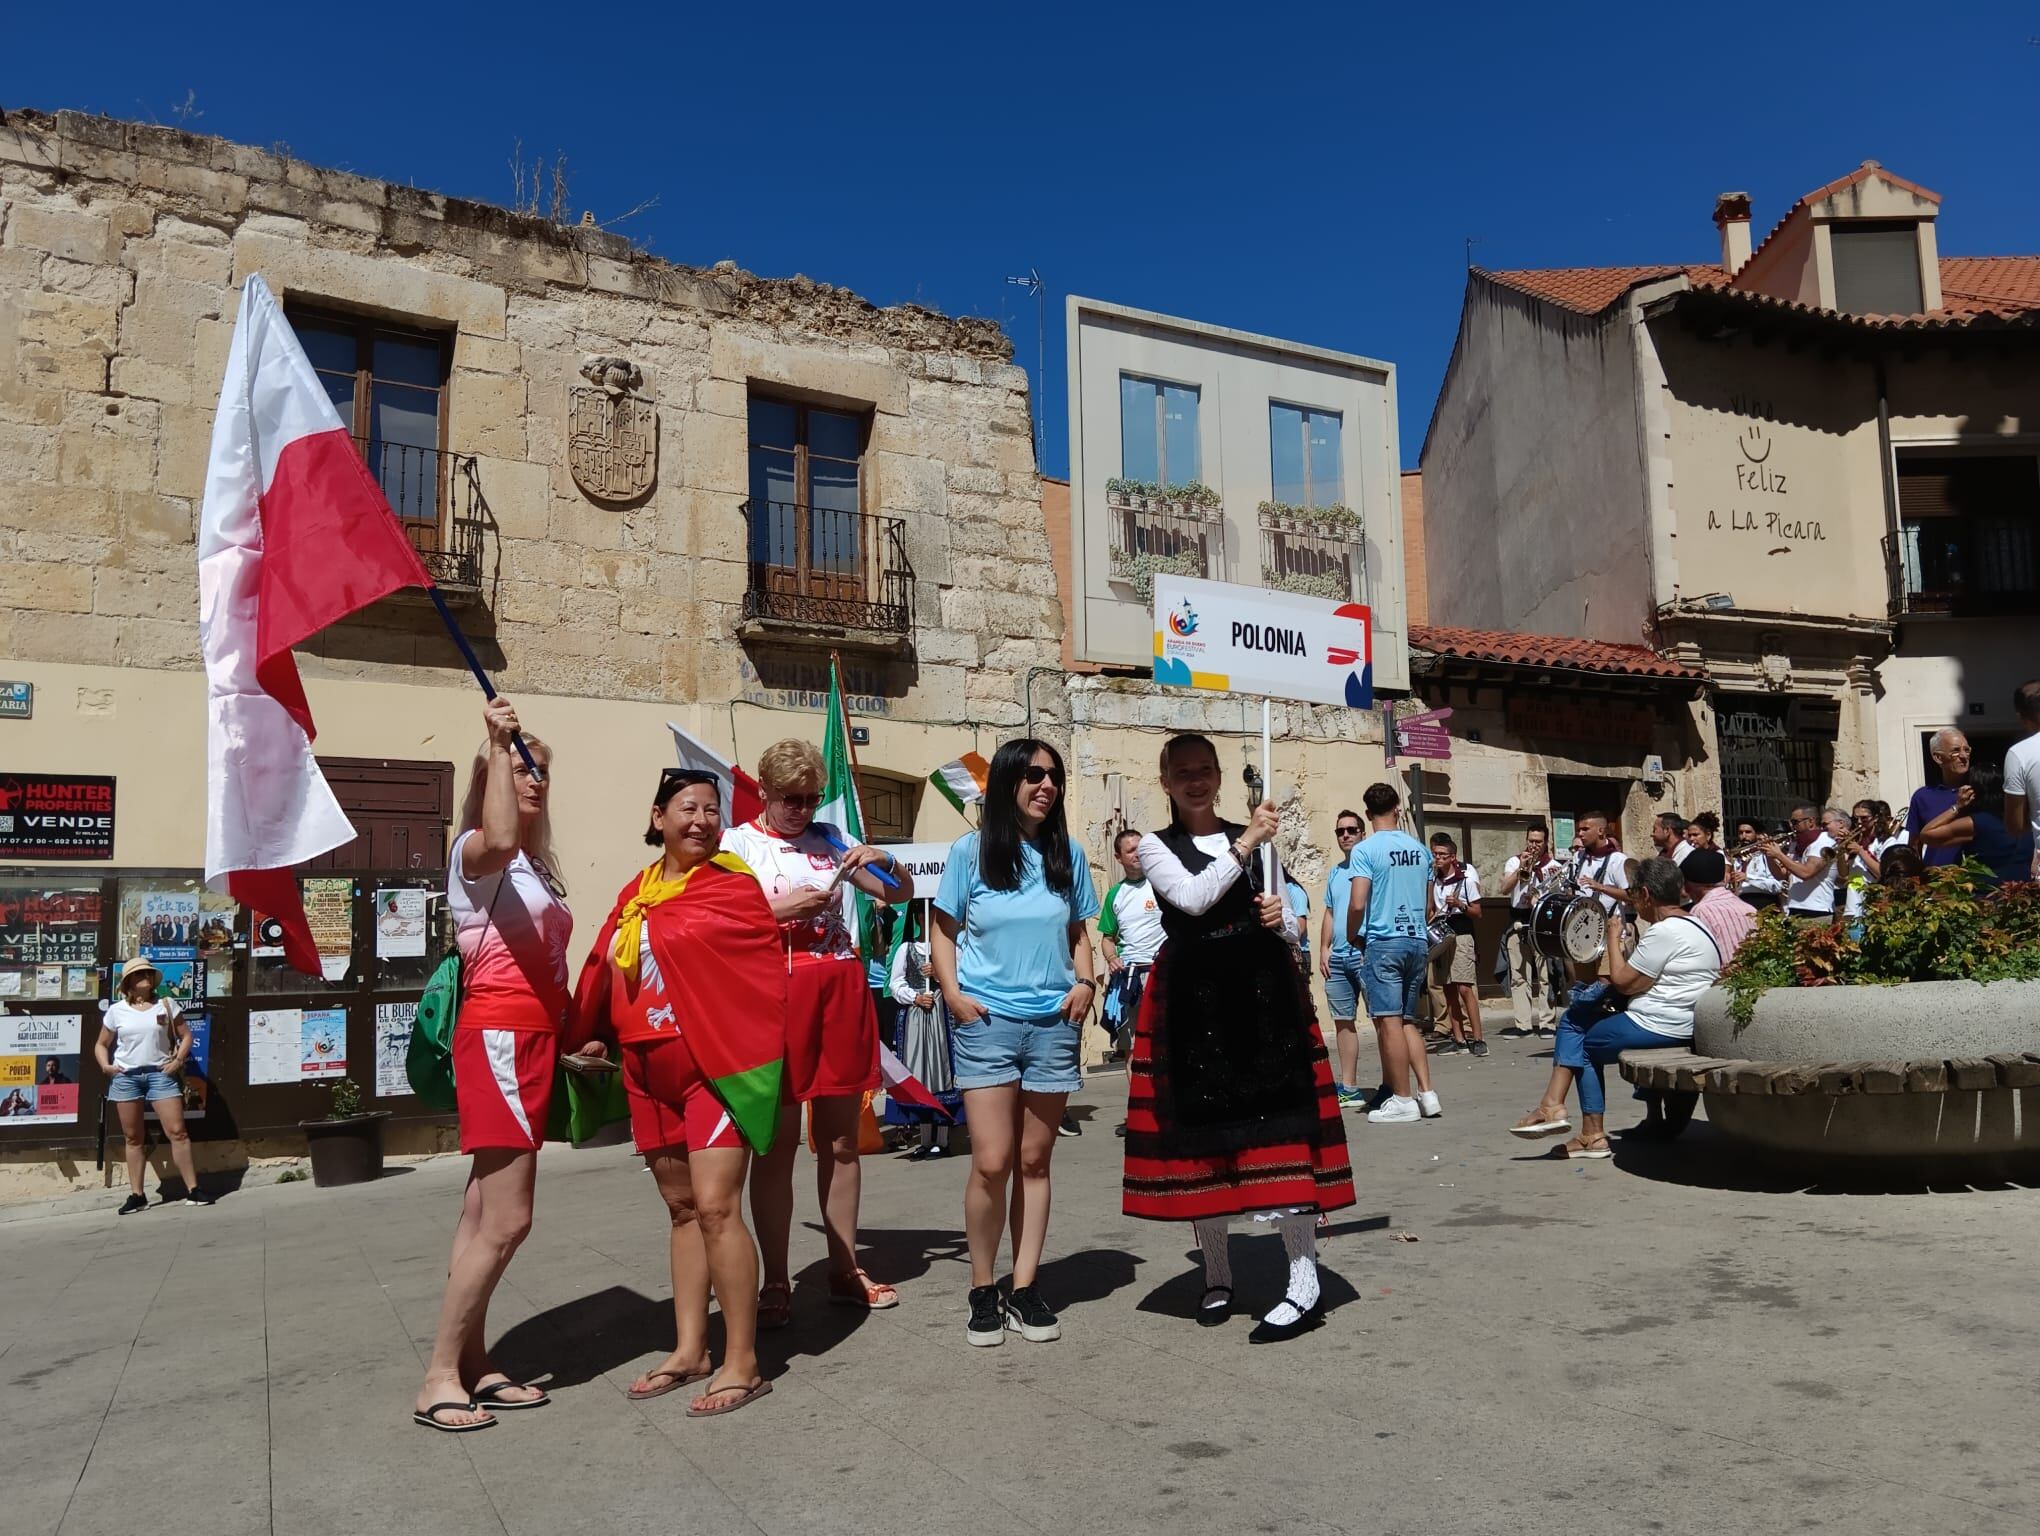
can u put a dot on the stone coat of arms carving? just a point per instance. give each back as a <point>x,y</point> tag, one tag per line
<point>612,431</point>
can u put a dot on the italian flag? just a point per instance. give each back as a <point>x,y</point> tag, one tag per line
<point>962,782</point>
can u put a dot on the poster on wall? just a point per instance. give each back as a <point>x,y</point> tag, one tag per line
<point>167,926</point>
<point>49,925</point>
<point>400,923</point>
<point>56,816</point>
<point>392,1042</point>
<point>322,1041</point>
<point>39,1068</point>
<point>183,980</point>
<point>329,910</point>
<point>198,1068</point>
<point>275,1045</point>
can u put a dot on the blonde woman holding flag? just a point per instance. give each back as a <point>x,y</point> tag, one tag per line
<point>806,864</point>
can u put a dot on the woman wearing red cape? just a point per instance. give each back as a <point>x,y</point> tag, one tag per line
<point>688,979</point>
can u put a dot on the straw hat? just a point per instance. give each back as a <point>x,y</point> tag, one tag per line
<point>138,967</point>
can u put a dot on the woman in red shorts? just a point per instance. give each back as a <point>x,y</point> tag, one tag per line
<point>511,924</point>
<point>806,866</point>
<point>688,978</point>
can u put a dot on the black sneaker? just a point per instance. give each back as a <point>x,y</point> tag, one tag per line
<point>1028,1315</point>
<point>197,1197</point>
<point>1479,1047</point>
<point>1069,1126</point>
<point>987,1324</point>
<point>1119,1130</point>
<point>134,1203</point>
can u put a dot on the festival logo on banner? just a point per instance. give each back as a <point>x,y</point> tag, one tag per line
<point>1262,641</point>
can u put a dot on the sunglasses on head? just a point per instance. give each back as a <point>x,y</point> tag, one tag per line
<point>687,776</point>
<point>1034,773</point>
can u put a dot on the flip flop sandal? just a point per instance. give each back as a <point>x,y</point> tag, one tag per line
<point>857,1289</point>
<point>775,1314</point>
<point>1209,1316</point>
<point>1576,1150</point>
<point>491,1397</point>
<point>750,1395</point>
<point>1532,1129</point>
<point>675,1380</point>
<point>430,1419</point>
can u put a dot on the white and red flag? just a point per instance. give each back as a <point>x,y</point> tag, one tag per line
<point>742,800</point>
<point>294,534</point>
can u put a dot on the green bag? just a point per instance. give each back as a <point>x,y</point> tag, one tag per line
<point>584,1103</point>
<point>428,1060</point>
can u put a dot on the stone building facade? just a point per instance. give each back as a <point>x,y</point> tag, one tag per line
<point>651,493</point>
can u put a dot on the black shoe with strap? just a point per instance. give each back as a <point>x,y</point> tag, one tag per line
<point>134,1203</point>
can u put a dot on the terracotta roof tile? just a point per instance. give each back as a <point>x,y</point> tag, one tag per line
<point>1561,652</point>
<point>1589,290</point>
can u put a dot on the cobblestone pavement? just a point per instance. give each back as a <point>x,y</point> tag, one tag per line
<point>1660,1343</point>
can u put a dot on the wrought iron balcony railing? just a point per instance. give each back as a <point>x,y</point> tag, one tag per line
<point>1151,536</point>
<point>816,565</point>
<point>1968,566</point>
<point>1316,553</point>
<point>438,498</point>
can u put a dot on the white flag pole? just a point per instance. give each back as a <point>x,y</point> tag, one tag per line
<point>1267,793</point>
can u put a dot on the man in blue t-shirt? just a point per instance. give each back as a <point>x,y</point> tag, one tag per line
<point>1391,878</point>
<point>1339,962</point>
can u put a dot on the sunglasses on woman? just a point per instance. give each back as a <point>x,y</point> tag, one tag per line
<point>1034,773</point>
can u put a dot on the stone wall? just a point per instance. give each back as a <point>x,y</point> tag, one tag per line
<point>121,250</point>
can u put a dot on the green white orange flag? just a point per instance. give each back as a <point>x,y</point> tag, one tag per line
<point>962,782</point>
<point>839,781</point>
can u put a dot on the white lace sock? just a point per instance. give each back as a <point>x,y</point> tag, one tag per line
<point>1299,1241</point>
<point>1211,1240</point>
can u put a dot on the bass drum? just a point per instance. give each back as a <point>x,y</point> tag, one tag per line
<point>1547,925</point>
<point>1583,932</point>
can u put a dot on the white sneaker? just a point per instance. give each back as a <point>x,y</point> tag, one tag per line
<point>1428,1104</point>
<point>1396,1111</point>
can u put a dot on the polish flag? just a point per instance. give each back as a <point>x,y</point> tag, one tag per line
<point>742,799</point>
<point>294,534</point>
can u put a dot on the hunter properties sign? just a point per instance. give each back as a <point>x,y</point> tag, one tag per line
<point>56,816</point>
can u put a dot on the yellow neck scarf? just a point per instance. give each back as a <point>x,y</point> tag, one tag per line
<point>653,891</point>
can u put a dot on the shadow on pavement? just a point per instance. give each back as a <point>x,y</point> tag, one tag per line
<point>1260,1279</point>
<point>1703,1158</point>
<point>584,1339</point>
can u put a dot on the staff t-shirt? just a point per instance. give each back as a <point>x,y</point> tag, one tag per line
<point>2022,777</point>
<point>1013,947</point>
<point>513,945</point>
<point>1683,961</point>
<point>1132,920</point>
<point>1928,802</point>
<point>1398,868</point>
<point>141,1036</point>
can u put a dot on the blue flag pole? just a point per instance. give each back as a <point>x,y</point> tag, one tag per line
<point>488,688</point>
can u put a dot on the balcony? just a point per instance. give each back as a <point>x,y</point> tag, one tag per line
<point>1314,551</point>
<point>841,576</point>
<point>1977,565</point>
<point>1154,530</point>
<point>438,499</point>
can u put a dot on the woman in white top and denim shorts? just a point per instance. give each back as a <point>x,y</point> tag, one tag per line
<point>143,1044</point>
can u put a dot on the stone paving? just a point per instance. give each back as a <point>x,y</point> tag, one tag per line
<point>1661,1343</point>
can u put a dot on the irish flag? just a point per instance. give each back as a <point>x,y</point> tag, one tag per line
<point>962,782</point>
<point>294,534</point>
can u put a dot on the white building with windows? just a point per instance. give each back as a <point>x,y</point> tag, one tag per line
<point>1215,453</point>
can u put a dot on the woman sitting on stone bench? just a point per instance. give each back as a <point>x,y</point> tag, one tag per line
<point>1647,1002</point>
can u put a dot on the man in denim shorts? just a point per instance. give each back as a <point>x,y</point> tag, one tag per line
<point>1339,963</point>
<point>1391,877</point>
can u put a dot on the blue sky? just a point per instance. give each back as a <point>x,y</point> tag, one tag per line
<point>1307,172</point>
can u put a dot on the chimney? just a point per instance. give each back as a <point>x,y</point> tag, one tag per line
<point>1732,218</point>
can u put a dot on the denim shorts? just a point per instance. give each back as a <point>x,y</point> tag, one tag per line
<point>1344,982</point>
<point>1038,1054</point>
<point>1393,973</point>
<point>151,1083</point>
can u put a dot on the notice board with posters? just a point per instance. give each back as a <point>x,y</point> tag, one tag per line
<point>56,816</point>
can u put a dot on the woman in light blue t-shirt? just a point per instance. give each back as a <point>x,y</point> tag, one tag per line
<point>1013,956</point>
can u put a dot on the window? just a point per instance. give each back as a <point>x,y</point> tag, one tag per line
<point>806,498</point>
<point>1158,431</point>
<point>1304,456</point>
<point>889,803</point>
<point>389,386</point>
<point>1877,269</point>
<point>1966,541</point>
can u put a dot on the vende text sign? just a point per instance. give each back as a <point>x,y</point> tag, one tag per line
<point>56,816</point>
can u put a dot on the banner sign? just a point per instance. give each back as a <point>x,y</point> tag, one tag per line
<point>1279,645</point>
<point>56,816</point>
<point>924,861</point>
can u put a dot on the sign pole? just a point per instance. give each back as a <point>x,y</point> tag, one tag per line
<point>1267,793</point>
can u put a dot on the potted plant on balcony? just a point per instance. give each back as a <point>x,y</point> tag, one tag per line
<point>346,1146</point>
<point>1116,492</point>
